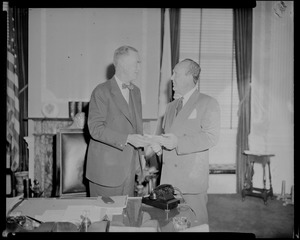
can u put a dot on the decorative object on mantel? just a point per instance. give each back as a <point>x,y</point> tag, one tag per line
<point>78,120</point>
<point>20,176</point>
<point>50,110</point>
<point>77,107</point>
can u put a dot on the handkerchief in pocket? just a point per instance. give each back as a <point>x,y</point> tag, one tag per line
<point>193,115</point>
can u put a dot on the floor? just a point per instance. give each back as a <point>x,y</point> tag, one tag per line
<point>228,213</point>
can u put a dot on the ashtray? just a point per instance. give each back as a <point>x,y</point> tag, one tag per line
<point>181,223</point>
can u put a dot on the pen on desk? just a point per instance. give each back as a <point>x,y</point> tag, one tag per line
<point>34,219</point>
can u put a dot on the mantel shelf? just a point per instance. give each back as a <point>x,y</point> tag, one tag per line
<point>47,119</point>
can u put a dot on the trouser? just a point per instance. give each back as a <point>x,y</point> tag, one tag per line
<point>198,203</point>
<point>127,187</point>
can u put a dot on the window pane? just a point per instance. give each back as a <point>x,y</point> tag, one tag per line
<point>207,38</point>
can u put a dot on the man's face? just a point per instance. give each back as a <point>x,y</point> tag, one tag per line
<point>181,81</point>
<point>131,66</point>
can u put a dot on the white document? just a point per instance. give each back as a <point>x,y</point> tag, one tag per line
<point>95,212</point>
<point>51,216</point>
<point>73,213</point>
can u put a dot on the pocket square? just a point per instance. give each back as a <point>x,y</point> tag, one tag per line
<point>193,115</point>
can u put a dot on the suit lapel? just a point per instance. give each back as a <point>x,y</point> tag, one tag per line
<point>119,99</point>
<point>185,111</point>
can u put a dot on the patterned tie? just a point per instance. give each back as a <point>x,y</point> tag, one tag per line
<point>129,86</point>
<point>179,105</point>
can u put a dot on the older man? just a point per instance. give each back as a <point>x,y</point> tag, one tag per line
<point>115,125</point>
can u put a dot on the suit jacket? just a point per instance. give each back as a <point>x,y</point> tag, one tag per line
<point>109,122</point>
<point>197,127</point>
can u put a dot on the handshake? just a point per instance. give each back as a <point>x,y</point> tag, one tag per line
<point>153,143</point>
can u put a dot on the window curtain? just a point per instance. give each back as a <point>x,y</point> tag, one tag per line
<point>17,83</point>
<point>243,48</point>
<point>170,36</point>
<point>175,44</point>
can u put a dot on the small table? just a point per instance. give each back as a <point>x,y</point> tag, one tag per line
<point>263,158</point>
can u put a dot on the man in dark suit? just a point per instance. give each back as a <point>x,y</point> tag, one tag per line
<point>191,127</point>
<point>115,126</point>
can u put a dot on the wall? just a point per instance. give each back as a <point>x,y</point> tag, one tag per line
<point>71,51</point>
<point>272,124</point>
<point>69,57</point>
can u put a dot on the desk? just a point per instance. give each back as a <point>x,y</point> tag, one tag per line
<point>136,214</point>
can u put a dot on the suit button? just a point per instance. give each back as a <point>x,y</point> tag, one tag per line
<point>175,165</point>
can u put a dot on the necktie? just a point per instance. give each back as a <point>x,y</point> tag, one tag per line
<point>179,105</point>
<point>129,86</point>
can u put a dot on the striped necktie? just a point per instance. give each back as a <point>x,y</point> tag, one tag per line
<point>179,105</point>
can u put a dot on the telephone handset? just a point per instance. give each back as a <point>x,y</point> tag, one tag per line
<point>162,197</point>
<point>163,192</point>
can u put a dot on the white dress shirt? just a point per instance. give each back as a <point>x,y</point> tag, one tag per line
<point>188,95</point>
<point>124,91</point>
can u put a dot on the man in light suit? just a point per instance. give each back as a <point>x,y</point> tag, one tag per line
<point>115,126</point>
<point>189,133</point>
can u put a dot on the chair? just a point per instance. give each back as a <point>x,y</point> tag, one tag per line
<point>71,149</point>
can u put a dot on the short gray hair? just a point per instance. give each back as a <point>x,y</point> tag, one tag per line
<point>193,68</point>
<point>121,51</point>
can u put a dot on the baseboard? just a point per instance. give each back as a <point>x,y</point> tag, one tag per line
<point>222,183</point>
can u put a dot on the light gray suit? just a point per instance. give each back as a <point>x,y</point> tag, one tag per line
<point>197,127</point>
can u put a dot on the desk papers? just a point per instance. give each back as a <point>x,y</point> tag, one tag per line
<point>96,211</point>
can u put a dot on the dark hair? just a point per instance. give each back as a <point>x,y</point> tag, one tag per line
<point>193,69</point>
<point>121,51</point>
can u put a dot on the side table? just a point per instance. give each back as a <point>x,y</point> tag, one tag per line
<point>248,189</point>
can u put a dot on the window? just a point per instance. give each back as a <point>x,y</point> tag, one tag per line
<point>206,36</point>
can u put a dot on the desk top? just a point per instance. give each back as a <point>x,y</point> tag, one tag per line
<point>136,214</point>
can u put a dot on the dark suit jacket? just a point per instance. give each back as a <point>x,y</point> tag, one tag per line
<point>109,123</point>
<point>197,127</point>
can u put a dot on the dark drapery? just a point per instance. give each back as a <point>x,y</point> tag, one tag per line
<point>20,16</point>
<point>243,49</point>
<point>175,41</point>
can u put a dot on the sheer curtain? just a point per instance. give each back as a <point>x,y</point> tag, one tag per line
<point>243,46</point>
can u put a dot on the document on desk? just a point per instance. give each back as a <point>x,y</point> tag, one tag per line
<point>73,213</point>
<point>95,211</point>
<point>51,216</point>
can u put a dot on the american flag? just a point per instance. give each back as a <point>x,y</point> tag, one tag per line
<point>13,124</point>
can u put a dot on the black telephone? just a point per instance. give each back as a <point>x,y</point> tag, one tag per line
<point>163,192</point>
<point>162,197</point>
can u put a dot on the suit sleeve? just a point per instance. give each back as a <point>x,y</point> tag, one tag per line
<point>97,122</point>
<point>208,134</point>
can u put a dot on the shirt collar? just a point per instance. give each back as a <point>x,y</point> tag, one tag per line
<point>188,95</point>
<point>119,82</point>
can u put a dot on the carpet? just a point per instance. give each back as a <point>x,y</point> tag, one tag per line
<point>228,213</point>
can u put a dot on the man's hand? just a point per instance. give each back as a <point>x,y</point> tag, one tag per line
<point>153,148</point>
<point>137,140</point>
<point>169,141</point>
